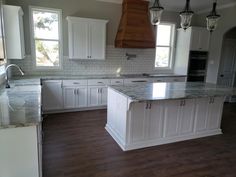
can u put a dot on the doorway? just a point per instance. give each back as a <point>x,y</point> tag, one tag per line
<point>227,70</point>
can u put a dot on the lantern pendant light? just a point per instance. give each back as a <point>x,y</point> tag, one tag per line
<point>156,12</point>
<point>212,18</point>
<point>186,16</point>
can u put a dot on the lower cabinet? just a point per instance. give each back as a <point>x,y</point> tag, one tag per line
<point>97,95</point>
<point>155,120</point>
<point>75,97</point>
<point>52,98</point>
<point>178,117</point>
<point>208,113</point>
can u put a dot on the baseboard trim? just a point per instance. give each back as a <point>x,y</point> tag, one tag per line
<point>161,141</point>
<point>74,110</point>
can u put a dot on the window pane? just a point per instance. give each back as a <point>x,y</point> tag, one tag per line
<point>162,56</point>
<point>45,25</point>
<point>47,53</point>
<point>163,35</point>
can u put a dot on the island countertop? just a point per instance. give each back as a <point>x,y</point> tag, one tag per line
<point>20,106</point>
<point>171,91</point>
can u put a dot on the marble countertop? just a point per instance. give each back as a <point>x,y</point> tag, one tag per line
<point>122,76</point>
<point>20,106</point>
<point>175,90</point>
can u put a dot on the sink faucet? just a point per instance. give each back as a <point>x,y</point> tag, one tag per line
<point>7,78</point>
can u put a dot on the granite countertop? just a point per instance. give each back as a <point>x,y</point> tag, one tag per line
<point>168,91</point>
<point>20,106</point>
<point>122,76</point>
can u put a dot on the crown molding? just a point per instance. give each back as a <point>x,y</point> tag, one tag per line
<point>223,6</point>
<point>112,1</point>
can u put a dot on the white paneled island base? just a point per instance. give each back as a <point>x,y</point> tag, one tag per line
<point>139,124</point>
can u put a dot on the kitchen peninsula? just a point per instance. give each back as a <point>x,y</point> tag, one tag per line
<point>144,115</point>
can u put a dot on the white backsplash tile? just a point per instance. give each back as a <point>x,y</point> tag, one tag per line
<point>115,58</point>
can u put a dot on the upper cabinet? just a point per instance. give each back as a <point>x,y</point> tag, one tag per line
<point>200,39</point>
<point>87,38</point>
<point>14,32</point>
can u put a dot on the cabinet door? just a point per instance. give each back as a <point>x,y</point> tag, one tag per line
<point>195,39</point>
<point>204,39</point>
<point>215,113</point>
<point>186,122</point>
<point>201,114</point>
<point>78,40</point>
<point>82,97</point>
<point>138,122</point>
<point>171,118</point>
<point>52,95</point>
<point>103,96</point>
<point>93,96</point>
<point>97,38</point>
<point>69,97</point>
<point>155,120</point>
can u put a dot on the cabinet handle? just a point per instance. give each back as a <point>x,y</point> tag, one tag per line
<point>150,105</point>
<point>212,100</point>
<point>74,92</point>
<point>98,90</point>
<point>118,82</point>
<point>77,91</point>
<point>76,83</point>
<point>147,105</point>
<point>100,83</point>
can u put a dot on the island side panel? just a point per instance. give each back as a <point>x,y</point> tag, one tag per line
<point>19,152</point>
<point>117,109</point>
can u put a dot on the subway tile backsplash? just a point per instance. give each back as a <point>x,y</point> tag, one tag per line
<point>115,59</point>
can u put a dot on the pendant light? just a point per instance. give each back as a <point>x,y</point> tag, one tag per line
<point>156,12</point>
<point>212,18</point>
<point>186,16</point>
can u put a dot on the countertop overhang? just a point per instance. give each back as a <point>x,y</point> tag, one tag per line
<point>171,91</point>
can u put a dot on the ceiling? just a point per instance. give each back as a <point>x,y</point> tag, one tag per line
<point>196,5</point>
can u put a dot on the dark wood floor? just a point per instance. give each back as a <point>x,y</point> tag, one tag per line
<point>77,145</point>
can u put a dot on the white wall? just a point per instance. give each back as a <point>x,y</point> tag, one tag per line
<point>226,23</point>
<point>2,74</point>
<point>91,9</point>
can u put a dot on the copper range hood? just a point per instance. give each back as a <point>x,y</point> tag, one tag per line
<point>135,29</point>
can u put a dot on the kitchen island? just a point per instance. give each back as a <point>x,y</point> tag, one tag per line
<point>144,115</point>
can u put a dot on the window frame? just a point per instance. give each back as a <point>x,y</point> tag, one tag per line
<point>171,46</point>
<point>33,39</point>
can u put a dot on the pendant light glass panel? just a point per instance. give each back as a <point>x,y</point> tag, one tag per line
<point>212,19</point>
<point>156,12</point>
<point>186,16</point>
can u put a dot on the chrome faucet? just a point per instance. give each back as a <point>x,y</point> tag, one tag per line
<point>7,78</point>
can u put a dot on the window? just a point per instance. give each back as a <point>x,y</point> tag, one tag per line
<point>46,37</point>
<point>164,46</point>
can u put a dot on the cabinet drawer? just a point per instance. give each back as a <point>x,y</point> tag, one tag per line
<point>117,82</point>
<point>74,82</point>
<point>159,79</point>
<point>99,82</point>
<point>137,80</point>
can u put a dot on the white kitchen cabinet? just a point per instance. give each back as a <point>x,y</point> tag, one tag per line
<point>14,32</point>
<point>208,113</point>
<point>215,113</point>
<point>147,121</point>
<point>178,117</point>
<point>200,39</point>
<point>87,38</point>
<point>97,96</point>
<point>69,94</point>
<point>192,39</point>
<point>75,97</point>
<point>52,98</point>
